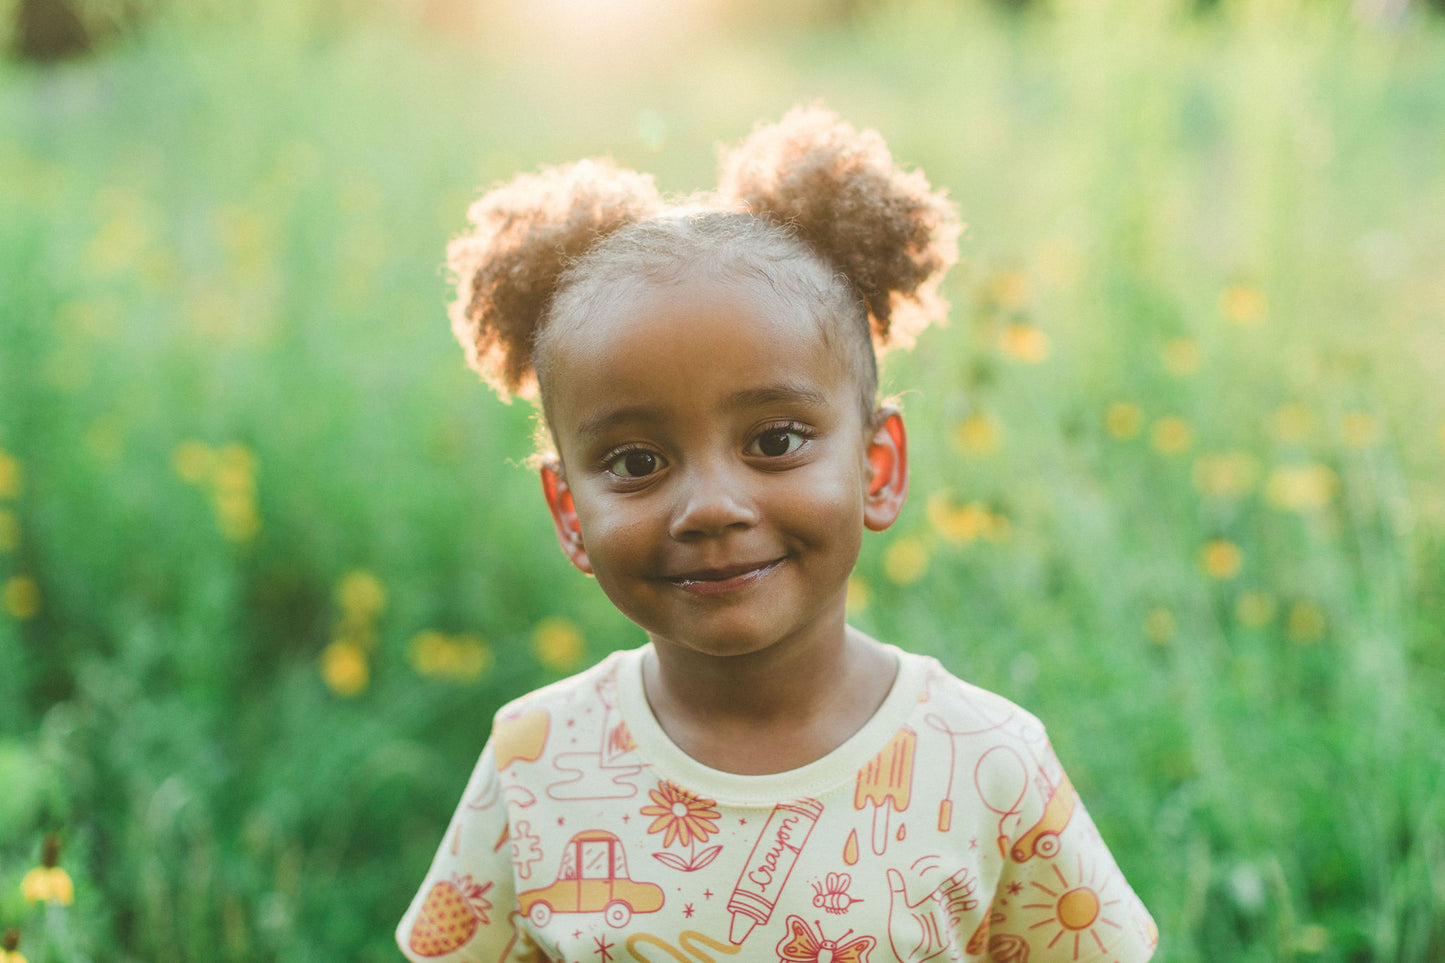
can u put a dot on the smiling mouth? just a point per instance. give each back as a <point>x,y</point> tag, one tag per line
<point>716,581</point>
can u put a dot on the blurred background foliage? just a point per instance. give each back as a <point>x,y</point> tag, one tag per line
<point>270,556</point>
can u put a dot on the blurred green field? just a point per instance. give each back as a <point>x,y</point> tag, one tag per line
<point>270,557</point>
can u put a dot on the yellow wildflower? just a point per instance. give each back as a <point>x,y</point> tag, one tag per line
<point>1242,304</point>
<point>1159,626</point>
<point>461,659</point>
<point>1024,342</point>
<point>976,434</point>
<point>905,560</point>
<point>1301,488</point>
<point>9,475</point>
<point>1221,559</point>
<point>360,595</point>
<point>194,461</point>
<point>1306,622</point>
<point>48,883</point>
<point>9,531</point>
<point>1009,290</point>
<point>20,597</point>
<point>236,515</point>
<point>557,643</point>
<point>1292,423</point>
<point>1361,429</point>
<point>9,947</point>
<point>1255,609</point>
<point>1123,419</point>
<point>344,668</point>
<point>957,524</point>
<point>1228,474</point>
<point>859,595</point>
<point>1181,356</point>
<point>1172,435</point>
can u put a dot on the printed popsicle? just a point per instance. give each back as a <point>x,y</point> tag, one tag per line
<point>887,783</point>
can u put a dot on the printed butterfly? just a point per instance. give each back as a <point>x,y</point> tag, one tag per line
<point>801,946</point>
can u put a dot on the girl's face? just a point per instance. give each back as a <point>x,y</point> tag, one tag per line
<point>718,471</point>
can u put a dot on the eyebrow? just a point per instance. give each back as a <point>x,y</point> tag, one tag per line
<point>744,398</point>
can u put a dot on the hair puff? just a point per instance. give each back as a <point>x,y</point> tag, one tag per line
<point>524,235</point>
<point>884,228</point>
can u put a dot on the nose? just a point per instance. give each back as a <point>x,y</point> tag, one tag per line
<point>711,500</point>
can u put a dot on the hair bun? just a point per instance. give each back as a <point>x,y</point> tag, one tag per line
<point>524,234</point>
<point>884,228</point>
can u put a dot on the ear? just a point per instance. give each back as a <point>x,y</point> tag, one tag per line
<point>564,515</point>
<point>887,452</point>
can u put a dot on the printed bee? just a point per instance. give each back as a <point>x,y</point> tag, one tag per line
<point>832,894</point>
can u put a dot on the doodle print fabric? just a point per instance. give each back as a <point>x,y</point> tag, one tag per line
<point>944,830</point>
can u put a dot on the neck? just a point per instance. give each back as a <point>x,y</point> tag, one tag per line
<point>772,710</point>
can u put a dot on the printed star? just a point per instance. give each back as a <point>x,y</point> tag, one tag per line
<point>687,910</point>
<point>576,934</point>
<point>973,843</point>
<point>1015,888</point>
<point>707,894</point>
<point>571,723</point>
<point>742,822</point>
<point>627,817</point>
<point>602,947</point>
<point>561,820</point>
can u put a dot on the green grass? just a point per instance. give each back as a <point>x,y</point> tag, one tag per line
<point>230,233</point>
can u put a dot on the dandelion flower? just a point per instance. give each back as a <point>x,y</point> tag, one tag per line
<point>1172,435</point>
<point>1305,623</point>
<point>976,434</point>
<point>20,597</point>
<point>360,595</point>
<point>1361,429</point>
<point>1301,488</point>
<point>1123,419</point>
<point>1009,290</point>
<point>1255,609</point>
<point>344,668</point>
<point>194,461</point>
<point>1292,423</point>
<point>1159,626</point>
<point>557,643</point>
<point>9,475</point>
<point>1242,304</point>
<point>1025,342</point>
<point>905,561</point>
<point>1181,356</point>
<point>1228,474</point>
<point>859,595</point>
<point>1221,559</point>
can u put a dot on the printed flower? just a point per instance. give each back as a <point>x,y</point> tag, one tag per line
<point>686,818</point>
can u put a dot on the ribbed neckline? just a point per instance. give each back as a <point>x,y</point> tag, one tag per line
<point>814,779</point>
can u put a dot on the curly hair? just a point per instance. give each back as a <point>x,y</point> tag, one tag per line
<point>812,206</point>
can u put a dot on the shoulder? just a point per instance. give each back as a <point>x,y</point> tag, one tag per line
<point>949,704</point>
<point>520,728</point>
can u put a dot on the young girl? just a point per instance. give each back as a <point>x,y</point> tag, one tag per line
<point>760,780</point>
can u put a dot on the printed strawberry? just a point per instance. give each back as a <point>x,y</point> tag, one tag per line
<point>449,916</point>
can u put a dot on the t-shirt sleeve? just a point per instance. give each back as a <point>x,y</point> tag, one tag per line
<point>1060,894</point>
<point>466,908</point>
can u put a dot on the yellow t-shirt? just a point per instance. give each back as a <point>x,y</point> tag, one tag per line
<point>945,829</point>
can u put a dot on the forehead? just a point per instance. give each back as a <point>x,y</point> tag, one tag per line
<point>688,344</point>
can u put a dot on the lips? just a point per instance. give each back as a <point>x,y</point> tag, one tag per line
<point>722,579</point>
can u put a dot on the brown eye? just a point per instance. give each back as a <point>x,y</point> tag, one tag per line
<point>777,442</point>
<point>634,464</point>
